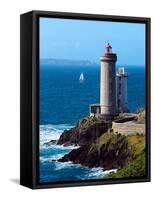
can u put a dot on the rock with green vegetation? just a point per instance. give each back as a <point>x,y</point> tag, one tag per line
<point>100,146</point>
<point>135,168</point>
<point>109,151</point>
<point>85,132</point>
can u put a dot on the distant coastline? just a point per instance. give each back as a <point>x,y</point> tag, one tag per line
<point>69,62</point>
<point>54,61</point>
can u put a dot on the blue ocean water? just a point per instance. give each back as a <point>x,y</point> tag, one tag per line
<point>63,101</point>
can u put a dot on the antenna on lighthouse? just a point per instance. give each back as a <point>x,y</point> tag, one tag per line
<point>108,48</point>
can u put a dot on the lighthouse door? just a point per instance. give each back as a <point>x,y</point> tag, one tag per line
<point>97,110</point>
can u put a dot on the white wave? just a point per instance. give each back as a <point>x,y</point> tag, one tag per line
<point>51,158</point>
<point>93,173</point>
<point>98,172</point>
<point>109,171</point>
<point>63,165</point>
<point>71,147</point>
<point>50,132</point>
<point>42,159</point>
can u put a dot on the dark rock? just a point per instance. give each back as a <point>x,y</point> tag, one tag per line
<point>99,145</point>
<point>51,142</point>
<point>112,155</point>
<point>84,133</point>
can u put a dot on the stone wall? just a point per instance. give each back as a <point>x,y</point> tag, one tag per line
<point>128,128</point>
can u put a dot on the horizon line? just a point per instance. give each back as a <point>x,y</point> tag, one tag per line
<point>91,61</point>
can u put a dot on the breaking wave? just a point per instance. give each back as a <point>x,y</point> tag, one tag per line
<point>51,132</point>
<point>51,170</point>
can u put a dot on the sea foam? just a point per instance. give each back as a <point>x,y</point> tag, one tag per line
<point>50,132</point>
<point>50,154</point>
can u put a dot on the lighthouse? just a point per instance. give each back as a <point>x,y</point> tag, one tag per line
<point>121,82</point>
<point>113,87</point>
<point>108,82</point>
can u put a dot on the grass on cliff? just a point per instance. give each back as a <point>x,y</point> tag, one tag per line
<point>135,168</point>
<point>87,122</point>
<point>108,139</point>
<point>136,142</point>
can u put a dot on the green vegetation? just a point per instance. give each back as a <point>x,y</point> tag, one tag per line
<point>92,120</point>
<point>109,139</point>
<point>129,151</point>
<point>136,144</point>
<point>87,122</point>
<point>124,152</point>
<point>101,146</point>
<point>135,168</point>
<point>136,165</point>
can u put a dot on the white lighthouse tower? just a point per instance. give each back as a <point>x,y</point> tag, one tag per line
<point>113,87</point>
<point>121,82</point>
<point>108,82</point>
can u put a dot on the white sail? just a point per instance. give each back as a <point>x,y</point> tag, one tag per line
<point>81,78</point>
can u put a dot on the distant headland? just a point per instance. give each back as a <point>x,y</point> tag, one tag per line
<point>54,61</point>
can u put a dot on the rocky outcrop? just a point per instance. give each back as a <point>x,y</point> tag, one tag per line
<point>101,146</point>
<point>112,154</point>
<point>85,132</point>
<point>110,151</point>
<point>51,142</point>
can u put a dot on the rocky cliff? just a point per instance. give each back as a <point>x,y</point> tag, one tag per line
<point>85,132</point>
<point>109,151</point>
<point>100,146</point>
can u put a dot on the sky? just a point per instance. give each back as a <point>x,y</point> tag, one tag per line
<point>85,40</point>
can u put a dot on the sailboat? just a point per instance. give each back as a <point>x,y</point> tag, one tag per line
<point>81,78</point>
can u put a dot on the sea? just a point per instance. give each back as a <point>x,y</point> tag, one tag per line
<point>63,101</point>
